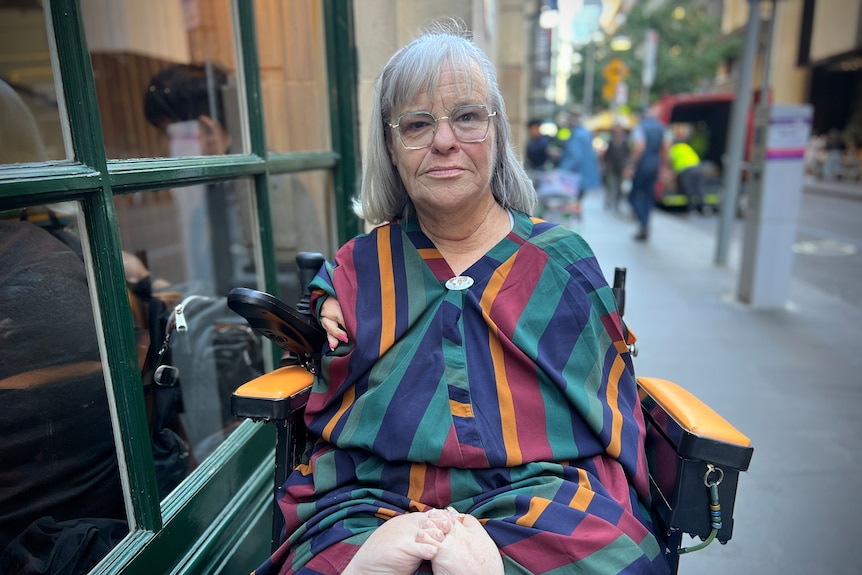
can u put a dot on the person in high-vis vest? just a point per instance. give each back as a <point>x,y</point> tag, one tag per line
<point>685,164</point>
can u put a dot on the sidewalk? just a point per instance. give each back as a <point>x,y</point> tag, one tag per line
<point>788,378</point>
<point>843,189</point>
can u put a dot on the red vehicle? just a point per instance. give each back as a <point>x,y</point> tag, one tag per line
<point>707,117</point>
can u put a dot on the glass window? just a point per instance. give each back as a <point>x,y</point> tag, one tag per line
<point>291,47</point>
<point>168,81</point>
<point>29,114</point>
<point>165,74</point>
<point>184,249</point>
<point>59,474</point>
<point>300,204</point>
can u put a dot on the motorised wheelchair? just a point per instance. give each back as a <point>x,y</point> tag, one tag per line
<point>694,455</point>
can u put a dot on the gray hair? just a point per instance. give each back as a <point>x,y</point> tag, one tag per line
<point>414,70</point>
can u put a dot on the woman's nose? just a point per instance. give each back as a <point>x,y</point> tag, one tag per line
<point>444,138</point>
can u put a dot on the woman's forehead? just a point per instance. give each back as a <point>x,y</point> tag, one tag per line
<point>449,87</point>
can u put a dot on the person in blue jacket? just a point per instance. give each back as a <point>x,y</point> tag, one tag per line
<point>578,156</point>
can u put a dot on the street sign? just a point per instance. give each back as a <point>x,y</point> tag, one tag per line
<point>615,74</point>
<point>615,71</point>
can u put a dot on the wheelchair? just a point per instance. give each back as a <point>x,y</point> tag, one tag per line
<point>693,454</point>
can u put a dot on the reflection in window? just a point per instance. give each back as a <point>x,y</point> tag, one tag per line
<point>29,114</point>
<point>164,62</point>
<point>190,246</point>
<point>186,102</point>
<point>298,205</point>
<point>59,475</point>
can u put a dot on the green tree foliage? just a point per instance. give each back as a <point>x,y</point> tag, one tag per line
<point>690,48</point>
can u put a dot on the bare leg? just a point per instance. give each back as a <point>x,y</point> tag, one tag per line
<point>398,546</point>
<point>467,549</point>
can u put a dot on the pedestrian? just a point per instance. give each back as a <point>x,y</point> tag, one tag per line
<point>685,165</point>
<point>579,156</point>
<point>538,157</point>
<point>615,159</point>
<point>649,145</point>
<point>834,148</point>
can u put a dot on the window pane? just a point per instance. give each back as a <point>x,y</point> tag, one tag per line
<point>165,74</point>
<point>190,246</point>
<point>291,46</point>
<point>29,114</point>
<point>59,475</point>
<point>300,205</point>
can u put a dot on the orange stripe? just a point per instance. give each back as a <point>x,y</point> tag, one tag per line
<point>385,513</point>
<point>346,401</point>
<point>460,409</point>
<point>537,507</point>
<point>507,404</point>
<point>417,481</point>
<point>584,495</point>
<point>621,346</point>
<point>387,290</point>
<point>429,253</point>
<point>614,447</point>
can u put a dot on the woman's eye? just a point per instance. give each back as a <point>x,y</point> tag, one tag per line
<point>412,124</point>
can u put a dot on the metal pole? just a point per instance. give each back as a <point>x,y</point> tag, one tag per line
<point>736,139</point>
<point>589,76</point>
<point>767,56</point>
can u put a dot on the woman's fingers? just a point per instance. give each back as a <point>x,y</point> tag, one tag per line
<point>332,321</point>
<point>334,332</point>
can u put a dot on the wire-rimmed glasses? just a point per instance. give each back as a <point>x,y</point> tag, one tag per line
<point>469,123</point>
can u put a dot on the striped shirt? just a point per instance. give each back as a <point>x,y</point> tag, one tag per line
<point>512,400</point>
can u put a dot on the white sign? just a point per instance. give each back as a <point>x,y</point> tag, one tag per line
<point>789,128</point>
<point>621,94</point>
<point>788,133</point>
<point>650,49</point>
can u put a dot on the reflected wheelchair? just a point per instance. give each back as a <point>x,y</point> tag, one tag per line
<point>694,455</point>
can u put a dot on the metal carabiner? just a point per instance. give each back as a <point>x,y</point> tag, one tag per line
<point>710,469</point>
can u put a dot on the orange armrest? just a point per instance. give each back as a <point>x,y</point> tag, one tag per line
<point>697,431</point>
<point>279,394</point>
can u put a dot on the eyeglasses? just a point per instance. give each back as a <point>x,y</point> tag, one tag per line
<point>469,123</point>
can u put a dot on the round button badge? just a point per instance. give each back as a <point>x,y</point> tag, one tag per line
<point>459,283</point>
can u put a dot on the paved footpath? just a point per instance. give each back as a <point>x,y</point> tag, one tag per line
<point>790,379</point>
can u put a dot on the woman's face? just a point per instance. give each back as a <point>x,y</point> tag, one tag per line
<point>448,175</point>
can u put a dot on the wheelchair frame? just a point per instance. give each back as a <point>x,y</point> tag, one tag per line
<point>694,455</point>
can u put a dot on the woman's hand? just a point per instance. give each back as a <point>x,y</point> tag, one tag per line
<point>333,322</point>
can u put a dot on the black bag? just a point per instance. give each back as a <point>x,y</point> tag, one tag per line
<point>73,547</point>
<point>171,452</point>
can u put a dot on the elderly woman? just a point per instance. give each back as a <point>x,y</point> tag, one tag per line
<point>477,411</point>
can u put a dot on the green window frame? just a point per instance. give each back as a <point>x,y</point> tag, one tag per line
<point>219,519</point>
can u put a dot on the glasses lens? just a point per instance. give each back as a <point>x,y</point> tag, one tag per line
<point>416,128</point>
<point>470,123</point>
